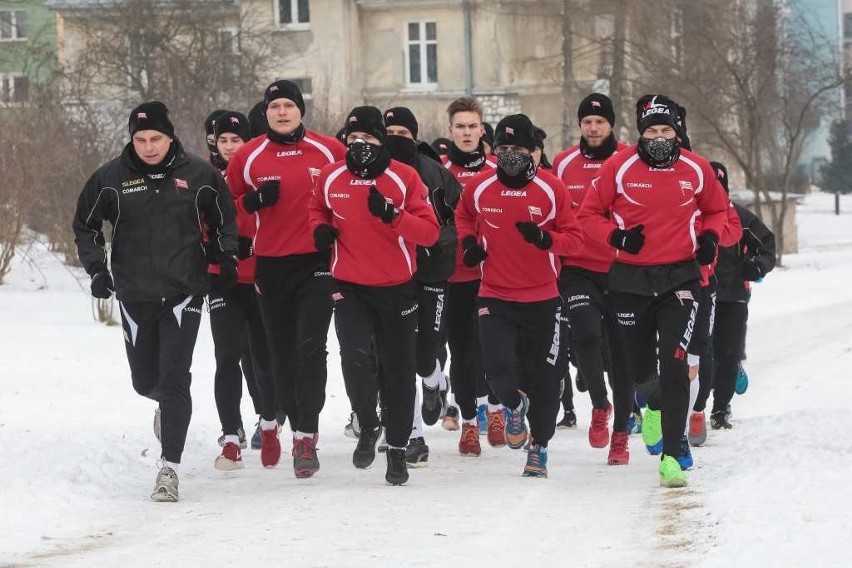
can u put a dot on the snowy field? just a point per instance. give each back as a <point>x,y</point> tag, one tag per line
<point>79,457</point>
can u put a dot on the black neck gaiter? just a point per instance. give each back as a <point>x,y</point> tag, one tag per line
<point>602,152</point>
<point>468,160</point>
<point>292,138</point>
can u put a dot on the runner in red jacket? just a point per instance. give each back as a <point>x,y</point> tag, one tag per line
<point>583,285</point>
<point>371,212</point>
<point>645,202</point>
<point>525,222</point>
<point>272,178</point>
<point>235,320</point>
<point>467,157</point>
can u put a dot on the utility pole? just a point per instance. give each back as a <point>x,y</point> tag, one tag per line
<point>567,74</point>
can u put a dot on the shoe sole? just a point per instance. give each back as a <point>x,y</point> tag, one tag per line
<point>305,473</point>
<point>535,474</point>
<point>164,496</point>
<point>655,449</point>
<point>673,483</point>
<point>418,464</point>
<point>225,464</point>
<point>696,441</point>
<point>564,427</point>
<point>517,445</point>
<point>396,483</point>
<point>470,454</point>
<point>599,443</point>
<point>618,462</point>
<point>350,434</point>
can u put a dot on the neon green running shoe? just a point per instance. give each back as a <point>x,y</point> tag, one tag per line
<point>652,431</point>
<point>671,475</point>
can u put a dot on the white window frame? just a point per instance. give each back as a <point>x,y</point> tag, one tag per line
<point>422,42</point>
<point>9,79</point>
<point>14,22</point>
<point>294,13</point>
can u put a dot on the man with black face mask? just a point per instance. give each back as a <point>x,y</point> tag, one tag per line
<point>372,212</point>
<point>434,264</point>
<point>645,202</point>
<point>583,285</point>
<point>272,178</point>
<point>514,224</point>
<point>154,195</point>
<point>466,159</point>
<point>210,137</point>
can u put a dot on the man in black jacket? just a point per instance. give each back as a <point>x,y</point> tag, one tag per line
<point>434,264</point>
<point>155,196</point>
<point>739,265</point>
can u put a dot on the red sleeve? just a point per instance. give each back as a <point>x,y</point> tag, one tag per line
<point>416,223</point>
<point>238,185</point>
<point>598,200</point>
<point>465,215</point>
<point>566,233</point>
<point>713,203</point>
<point>338,150</point>
<point>733,231</point>
<point>318,211</point>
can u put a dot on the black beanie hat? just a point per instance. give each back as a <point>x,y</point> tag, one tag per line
<point>258,125</point>
<point>488,137</point>
<point>401,116</point>
<point>596,104</point>
<point>284,89</point>
<point>366,119</point>
<point>150,116</point>
<point>210,120</point>
<point>441,145</point>
<point>233,122</point>
<point>721,174</point>
<point>652,110</point>
<point>517,130</point>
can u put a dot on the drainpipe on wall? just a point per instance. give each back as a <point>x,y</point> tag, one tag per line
<point>468,48</point>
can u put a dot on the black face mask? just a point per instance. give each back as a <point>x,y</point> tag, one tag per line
<point>218,161</point>
<point>468,160</point>
<point>367,160</point>
<point>292,138</point>
<point>602,152</point>
<point>658,152</point>
<point>515,169</point>
<point>401,149</point>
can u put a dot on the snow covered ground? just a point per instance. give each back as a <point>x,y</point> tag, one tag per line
<point>79,456</point>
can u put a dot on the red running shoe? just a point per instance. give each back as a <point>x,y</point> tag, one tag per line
<point>496,427</point>
<point>619,452</point>
<point>230,459</point>
<point>599,430</point>
<point>469,442</point>
<point>270,447</point>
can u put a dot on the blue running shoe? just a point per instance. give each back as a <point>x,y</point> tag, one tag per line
<point>255,438</point>
<point>742,380</point>
<point>516,426</point>
<point>536,462</point>
<point>634,424</point>
<point>684,456</point>
<point>481,419</point>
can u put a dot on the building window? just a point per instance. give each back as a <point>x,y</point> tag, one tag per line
<point>13,25</point>
<point>422,54</point>
<point>229,40</point>
<point>14,88</point>
<point>293,13</point>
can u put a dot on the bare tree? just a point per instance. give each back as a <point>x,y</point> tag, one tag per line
<point>754,76</point>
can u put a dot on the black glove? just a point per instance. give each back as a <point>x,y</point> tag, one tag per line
<point>532,234</point>
<point>443,211</point>
<point>706,252</point>
<point>378,206</point>
<point>227,277</point>
<point>751,271</point>
<point>324,237</point>
<point>630,240</point>
<point>265,196</point>
<point>245,247</point>
<point>472,253</point>
<point>212,252</point>
<point>102,285</point>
